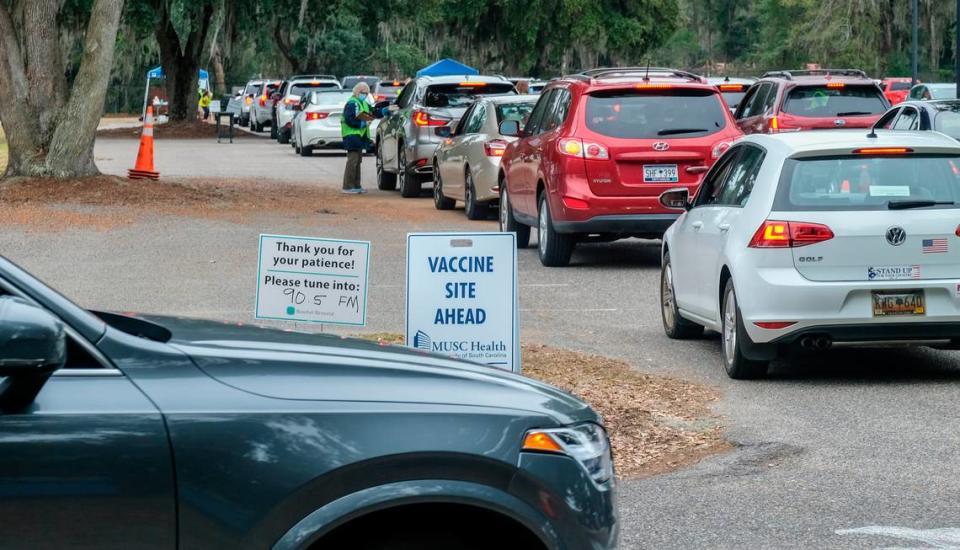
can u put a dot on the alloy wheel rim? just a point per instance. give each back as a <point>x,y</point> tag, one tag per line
<point>438,189</point>
<point>468,183</point>
<point>666,290</point>
<point>542,228</point>
<point>401,170</point>
<point>503,210</point>
<point>379,162</point>
<point>730,327</point>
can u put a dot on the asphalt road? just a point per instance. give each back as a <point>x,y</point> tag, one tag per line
<point>849,440</point>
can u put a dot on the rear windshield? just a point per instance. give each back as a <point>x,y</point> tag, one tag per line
<point>350,81</point>
<point>944,92</point>
<point>253,89</point>
<point>681,113</point>
<point>948,122</point>
<point>272,88</point>
<point>300,88</point>
<point>733,98</point>
<point>389,90</point>
<point>823,101</point>
<point>867,183</point>
<point>460,95</point>
<point>514,111</point>
<point>328,99</point>
<point>900,86</point>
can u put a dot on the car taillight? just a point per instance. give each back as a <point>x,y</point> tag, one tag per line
<point>719,149</point>
<point>495,148</point>
<point>317,116</point>
<point>379,98</point>
<point>249,100</point>
<point>774,124</point>
<point>423,118</point>
<point>263,101</point>
<point>290,101</point>
<point>778,234</point>
<point>576,147</point>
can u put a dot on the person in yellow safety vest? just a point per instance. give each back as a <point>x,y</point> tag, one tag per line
<point>205,99</point>
<point>355,131</point>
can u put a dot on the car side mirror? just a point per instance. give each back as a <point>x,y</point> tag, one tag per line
<point>380,105</point>
<point>33,345</point>
<point>677,198</point>
<point>510,128</point>
<point>444,132</point>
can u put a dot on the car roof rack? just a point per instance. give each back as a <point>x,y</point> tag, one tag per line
<point>313,76</point>
<point>616,72</point>
<point>790,75</point>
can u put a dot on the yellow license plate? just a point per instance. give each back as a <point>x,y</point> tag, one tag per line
<point>910,302</point>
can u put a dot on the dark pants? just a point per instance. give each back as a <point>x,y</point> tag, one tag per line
<point>351,174</point>
<point>206,113</point>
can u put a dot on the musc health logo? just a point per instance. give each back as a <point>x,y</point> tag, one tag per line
<point>422,341</point>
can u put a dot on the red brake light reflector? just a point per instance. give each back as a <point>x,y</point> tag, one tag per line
<point>317,116</point>
<point>571,202</point>
<point>779,234</point>
<point>774,325</point>
<point>883,151</point>
<point>957,233</point>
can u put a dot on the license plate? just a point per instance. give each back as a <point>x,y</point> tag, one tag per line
<point>910,302</point>
<point>660,173</point>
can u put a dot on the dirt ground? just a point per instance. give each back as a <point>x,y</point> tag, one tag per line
<point>656,424</point>
<point>189,129</point>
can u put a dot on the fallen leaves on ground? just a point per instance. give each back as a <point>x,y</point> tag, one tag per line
<point>656,424</point>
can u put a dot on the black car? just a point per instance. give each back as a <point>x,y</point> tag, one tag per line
<point>121,431</point>
<point>939,115</point>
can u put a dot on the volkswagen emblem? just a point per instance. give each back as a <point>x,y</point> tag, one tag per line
<point>661,146</point>
<point>896,235</point>
<point>839,122</point>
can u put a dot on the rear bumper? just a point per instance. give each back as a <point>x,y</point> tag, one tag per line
<point>321,136</point>
<point>632,224</point>
<point>888,332</point>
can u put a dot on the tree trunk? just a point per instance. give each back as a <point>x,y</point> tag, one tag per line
<point>181,63</point>
<point>50,134</point>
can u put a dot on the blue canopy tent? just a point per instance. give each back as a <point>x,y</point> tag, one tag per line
<point>447,67</point>
<point>157,72</point>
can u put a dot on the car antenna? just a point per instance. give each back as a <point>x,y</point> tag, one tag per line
<point>873,133</point>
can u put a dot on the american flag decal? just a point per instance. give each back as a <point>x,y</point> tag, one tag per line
<point>934,246</point>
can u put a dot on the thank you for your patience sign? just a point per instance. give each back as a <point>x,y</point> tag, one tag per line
<point>462,296</point>
<point>312,280</point>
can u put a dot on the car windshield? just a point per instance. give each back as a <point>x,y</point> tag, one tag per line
<point>834,100</point>
<point>679,113</point>
<point>514,111</point>
<point>869,182</point>
<point>299,88</point>
<point>900,86</point>
<point>464,93</point>
<point>329,99</point>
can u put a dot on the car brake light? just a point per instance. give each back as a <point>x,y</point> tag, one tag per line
<point>883,151</point>
<point>774,325</point>
<point>575,147</point>
<point>957,232</point>
<point>290,101</point>
<point>473,84</point>
<point>379,98</point>
<point>423,118</point>
<point>719,149</point>
<point>835,84</point>
<point>778,234</point>
<point>263,100</point>
<point>731,87</point>
<point>316,116</point>
<point>495,148</point>
<point>647,86</point>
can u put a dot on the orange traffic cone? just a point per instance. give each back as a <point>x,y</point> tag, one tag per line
<point>144,167</point>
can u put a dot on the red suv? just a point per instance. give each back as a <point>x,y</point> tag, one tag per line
<point>598,149</point>
<point>786,101</point>
<point>895,89</point>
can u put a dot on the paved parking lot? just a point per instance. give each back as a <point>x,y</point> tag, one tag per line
<point>845,440</point>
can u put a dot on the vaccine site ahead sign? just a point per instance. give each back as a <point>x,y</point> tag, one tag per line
<point>462,296</point>
<point>312,280</point>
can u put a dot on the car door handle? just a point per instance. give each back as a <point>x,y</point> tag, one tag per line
<point>723,227</point>
<point>697,226</point>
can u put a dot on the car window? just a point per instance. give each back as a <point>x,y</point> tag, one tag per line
<point>859,182</point>
<point>757,106</point>
<point>886,121</point>
<point>476,119</point>
<point>833,100</point>
<point>909,119</point>
<point>916,92</point>
<point>948,122</point>
<point>330,99</point>
<point>713,182</point>
<point>514,111</point>
<point>406,94</point>
<point>536,116</point>
<point>641,114</point>
<point>464,93</point>
<point>464,121</point>
<point>899,86</point>
<point>557,114</point>
<point>743,174</point>
<point>388,90</point>
<point>253,89</point>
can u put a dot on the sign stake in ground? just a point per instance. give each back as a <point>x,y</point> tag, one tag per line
<point>462,296</point>
<point>312,280</point>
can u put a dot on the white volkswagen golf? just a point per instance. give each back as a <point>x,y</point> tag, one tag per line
<point>813,239</point>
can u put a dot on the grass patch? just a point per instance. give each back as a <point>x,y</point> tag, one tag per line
<point>656,424</point>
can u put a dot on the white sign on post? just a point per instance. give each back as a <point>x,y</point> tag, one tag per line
<point>312,280</point>
<point>462,296</point>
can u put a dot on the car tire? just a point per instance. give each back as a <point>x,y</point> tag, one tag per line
<point>283,137</point>
<point>732,334</point>
<point>274,134</point>
<point>675,326</point>
<point>385,180</point>
<point>409,185</point>
<point>554,248</point>
<point>508,223</point>
<point>440,201</point>
<point>473,209</point>
<point>306,151</point>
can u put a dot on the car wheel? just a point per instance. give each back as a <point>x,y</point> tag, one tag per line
<point>554,248</point>
<point>283,137</point>
<point>732,336</point>
<point>440,201</point>
<point>471,208</point>
<point>508,223</point>
<point>409,185</point>
<point>385,180</point>
<point>674,325</point>
<point>274,134</point>
<point>306,151</point>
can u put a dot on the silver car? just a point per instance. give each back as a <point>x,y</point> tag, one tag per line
<point>317,122</point>
<point>429,107</point>
<point>249,94</point>
<point>466,165</point>
<point>297,86</point>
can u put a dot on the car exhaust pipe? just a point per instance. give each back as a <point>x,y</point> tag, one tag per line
<point>823,343</point>
<point>808,342</point>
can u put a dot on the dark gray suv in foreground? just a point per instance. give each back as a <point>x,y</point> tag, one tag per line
<point>121,431</point>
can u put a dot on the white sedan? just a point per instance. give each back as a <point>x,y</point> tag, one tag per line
<point>814,239</point>
<point>317,122</point>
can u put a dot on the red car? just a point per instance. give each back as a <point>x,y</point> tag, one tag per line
<point>598,149</point>
<point>895,89</point>
<point>786,101</point>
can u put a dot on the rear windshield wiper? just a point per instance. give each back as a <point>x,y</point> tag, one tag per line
<point>672,131</point>
<point>854,113</point>
<point>903,205</point>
